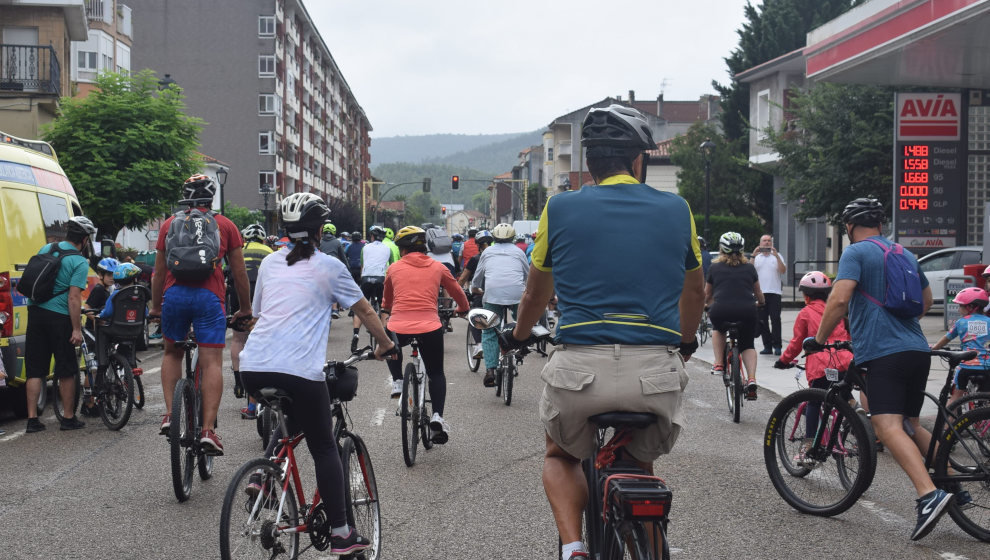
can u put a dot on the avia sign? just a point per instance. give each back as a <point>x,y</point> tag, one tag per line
<point>929,116</point>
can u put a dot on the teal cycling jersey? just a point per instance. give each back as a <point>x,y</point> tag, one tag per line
<point>618,252</point>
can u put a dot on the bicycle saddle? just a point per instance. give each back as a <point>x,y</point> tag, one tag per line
<point>956,356</point>
<point>620,419</point>
<point>272,396</point>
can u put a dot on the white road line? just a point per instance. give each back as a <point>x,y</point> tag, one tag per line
<point>378,418</point>
<point>699,403</point>
<point>153,370</point>
<point>888,517</point>
<point>952,556</point>
<point>12,435</point>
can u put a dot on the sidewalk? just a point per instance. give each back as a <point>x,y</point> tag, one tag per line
<point>782,382</point>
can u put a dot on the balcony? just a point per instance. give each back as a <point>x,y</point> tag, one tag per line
<point>30,69</point>
<point>564,149</point>
<point>100,10</point>
<point>124,22</point>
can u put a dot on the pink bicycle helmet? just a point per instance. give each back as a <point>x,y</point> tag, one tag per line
<point>815,281</point>
<point>986,272</point>
<point>969,295</point>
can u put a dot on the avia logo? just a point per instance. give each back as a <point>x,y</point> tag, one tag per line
<point>928,243</point>
<point>928,116</point>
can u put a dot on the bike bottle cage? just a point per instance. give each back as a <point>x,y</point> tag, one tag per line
<point>637,496</point>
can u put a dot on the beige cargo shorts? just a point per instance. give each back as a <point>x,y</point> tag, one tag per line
<point>582,381</point>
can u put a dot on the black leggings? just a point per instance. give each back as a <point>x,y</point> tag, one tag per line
<point>431,348</point>
<point>309,413</point>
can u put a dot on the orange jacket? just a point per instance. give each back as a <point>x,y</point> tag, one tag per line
<point>412,287</point>
<point>469,250</point>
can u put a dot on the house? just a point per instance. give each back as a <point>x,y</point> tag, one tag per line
<point>107,46</point>
<point>462,220</point>
<point>35,60</point>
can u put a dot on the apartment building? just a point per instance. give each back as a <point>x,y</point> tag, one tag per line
<point>35,49</point>
<point>277,107</point>
<point>107,46</point>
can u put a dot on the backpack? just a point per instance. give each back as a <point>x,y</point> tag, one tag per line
<point>38,280</point>
<point>192,246</point>
<point>903,294</point>
<point>130,308</point>
<point>438,242</point>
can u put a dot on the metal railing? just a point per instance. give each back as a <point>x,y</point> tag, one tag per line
<point>99,10</point>
<point>29,68</point>
<point>799,271</point>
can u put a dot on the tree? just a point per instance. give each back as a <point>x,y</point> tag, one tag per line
<point>842,149</point>
<point>736,188</point>
<point>535,200</point>
<point>127,148</point>
<point>241,216</point>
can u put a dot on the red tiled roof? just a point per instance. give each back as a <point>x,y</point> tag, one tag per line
<point>394,205</point>
<point>506,175</point>
<point>663,149</point>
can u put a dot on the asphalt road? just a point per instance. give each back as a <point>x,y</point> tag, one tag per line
<point>100,494</point>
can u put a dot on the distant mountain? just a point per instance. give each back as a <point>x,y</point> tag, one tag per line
<point>489,153</point>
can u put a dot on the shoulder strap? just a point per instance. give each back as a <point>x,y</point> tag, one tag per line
<point>883,248</point>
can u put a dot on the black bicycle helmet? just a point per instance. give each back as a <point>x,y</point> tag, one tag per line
<point>377,231</point>
<point>616,130</point>
<point>356,236</point>
<point>199,186</point>
<point>303,214</point>
<point>864,212</point>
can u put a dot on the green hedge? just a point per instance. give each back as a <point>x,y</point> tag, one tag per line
<point>749,227</point>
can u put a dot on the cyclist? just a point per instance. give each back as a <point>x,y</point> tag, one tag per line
<point>353,253</point>
<point>330,245</point>
<point>732,291</point>
<point>893,350</point>
<point>633,335</point>
<point>500,278</point>
<point>412,286</point>
<point>180,304</point>
<point>255,251</point>
<point>973,334</point>
<point>470,247</point>
<point>98,296</point>
<point>389,236</point>
<point>483,239</point>
<point>296,288</point>
<point>375,260</point>
<point>457,247</point>
<point>125,275</point>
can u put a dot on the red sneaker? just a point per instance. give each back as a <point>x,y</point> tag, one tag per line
<point>210,442</point>
<point>166,424</point>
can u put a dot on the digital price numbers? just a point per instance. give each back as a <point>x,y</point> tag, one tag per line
<point>913,189</point>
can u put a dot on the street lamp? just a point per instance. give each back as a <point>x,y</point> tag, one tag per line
<point>222,179</point>
<point>165,82</point>
<point>707,148</point>
<point>266,191</point>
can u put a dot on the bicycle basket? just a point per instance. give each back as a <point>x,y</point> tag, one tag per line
<point>638,496</point>
<point>342,382</point>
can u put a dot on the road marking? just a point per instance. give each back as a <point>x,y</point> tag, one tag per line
<point>699,403</point>
<point>152,370</point>
<point>13,435</point>
<point>378,418</point>
<point>952,556</point>
<point>889,517</point>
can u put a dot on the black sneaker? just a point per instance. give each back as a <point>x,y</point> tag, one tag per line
<point>930,508</point>
<point>354,343</point>
<point>34,425</point>
<point>71,424</point>
<point>349,544</point>
<point>489,379</point>
<point>334,315</point>
<point>90,411</point>
<point>766,351</point>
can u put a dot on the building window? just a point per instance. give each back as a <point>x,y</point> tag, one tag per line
<point>266,178</point>
<point>267,104</point>
<point>266,26</point>
<point>266,66</point>
<point>762,114</point>
<point>266,143</point>
<point>87,60</point>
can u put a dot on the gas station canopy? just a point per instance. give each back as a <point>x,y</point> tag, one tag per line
<point>940,43</point>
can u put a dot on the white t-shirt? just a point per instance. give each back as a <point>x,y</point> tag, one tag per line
<point>293,306</point>
<point>375,257</point>
<point>766,269</point>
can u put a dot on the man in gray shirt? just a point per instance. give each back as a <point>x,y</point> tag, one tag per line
<point>501,276</point>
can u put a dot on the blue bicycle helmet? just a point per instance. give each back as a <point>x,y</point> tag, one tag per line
<point>126,271</point>
<point>107,265</point>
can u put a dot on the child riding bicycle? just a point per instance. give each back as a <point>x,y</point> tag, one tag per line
<point>973,334</point>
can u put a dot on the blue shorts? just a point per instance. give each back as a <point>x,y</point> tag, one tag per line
<point>187,305</point>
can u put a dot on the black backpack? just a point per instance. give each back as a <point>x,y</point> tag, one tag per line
<point>192,246</point>
<point>38,280</point>
<point>130,308</point>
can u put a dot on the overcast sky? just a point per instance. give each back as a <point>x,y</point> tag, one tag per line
<point>494,66</point>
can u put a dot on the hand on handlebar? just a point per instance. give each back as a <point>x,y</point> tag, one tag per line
<point>810,345</point>
<point>390,352</point>
<point>240,323</point>
<point>783,365</point>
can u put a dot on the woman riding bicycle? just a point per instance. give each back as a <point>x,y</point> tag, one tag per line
<point>733,285</point>
<point>412,287</point>
<point>295,292</point>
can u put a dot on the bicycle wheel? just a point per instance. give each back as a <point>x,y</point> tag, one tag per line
<point>117,393</point>
<point>267,419</point>
<point>425,434</point>
<point>969,402</point>
<point>626,540</point>
<point>791,438</point>
<point>499,374</point>
<point>410,415</point>
<point>57,397</point>
<point>969,448</point>
<point>204,462</point>
<point>733,391</point>
<point>182,437</point>
<point>703,330</point>
<point>510,373</point>
<point>250,524</point>
<point>473,364</point>
<point>847,455</point>
<point>363,508</point>
<point>138,393</point>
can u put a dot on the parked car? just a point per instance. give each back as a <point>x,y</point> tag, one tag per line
<point>943,263</point>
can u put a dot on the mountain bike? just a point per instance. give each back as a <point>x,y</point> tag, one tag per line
<point>412,408</point>
<point>185,450</point>
<point>704,328</point>
<point>732,371</point>
<point>269,523</point>
<point>958,456</point>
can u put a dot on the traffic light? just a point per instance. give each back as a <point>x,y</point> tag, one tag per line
<point>443,210</point>
<point>426,184</point>
<point>455,182</point>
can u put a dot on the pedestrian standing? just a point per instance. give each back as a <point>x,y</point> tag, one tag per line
<point>769,266</point>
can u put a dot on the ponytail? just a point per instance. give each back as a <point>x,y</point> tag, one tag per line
<point>302,248</point>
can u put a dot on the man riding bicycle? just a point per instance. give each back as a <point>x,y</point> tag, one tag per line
<point>375,260</point>
<point>200,304</point>
<point>623,345</point>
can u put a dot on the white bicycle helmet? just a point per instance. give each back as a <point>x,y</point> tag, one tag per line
<point>83,225</point>
<point>503,233</point>
<point>731,242</point>
<point>255,232</point>
<point>303,213</point>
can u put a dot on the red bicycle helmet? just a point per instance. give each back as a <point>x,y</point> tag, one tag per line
<point>970,295</point>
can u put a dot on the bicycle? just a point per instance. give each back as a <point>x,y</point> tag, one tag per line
<point>732,371</point>
<point>958,444</point>
<point>412,407</point>
<point>270,522</point>
<point>704,328</point>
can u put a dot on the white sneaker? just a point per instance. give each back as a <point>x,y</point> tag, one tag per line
<point>396,388</point>
<point>479,352</point>
<point>439,428</point>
